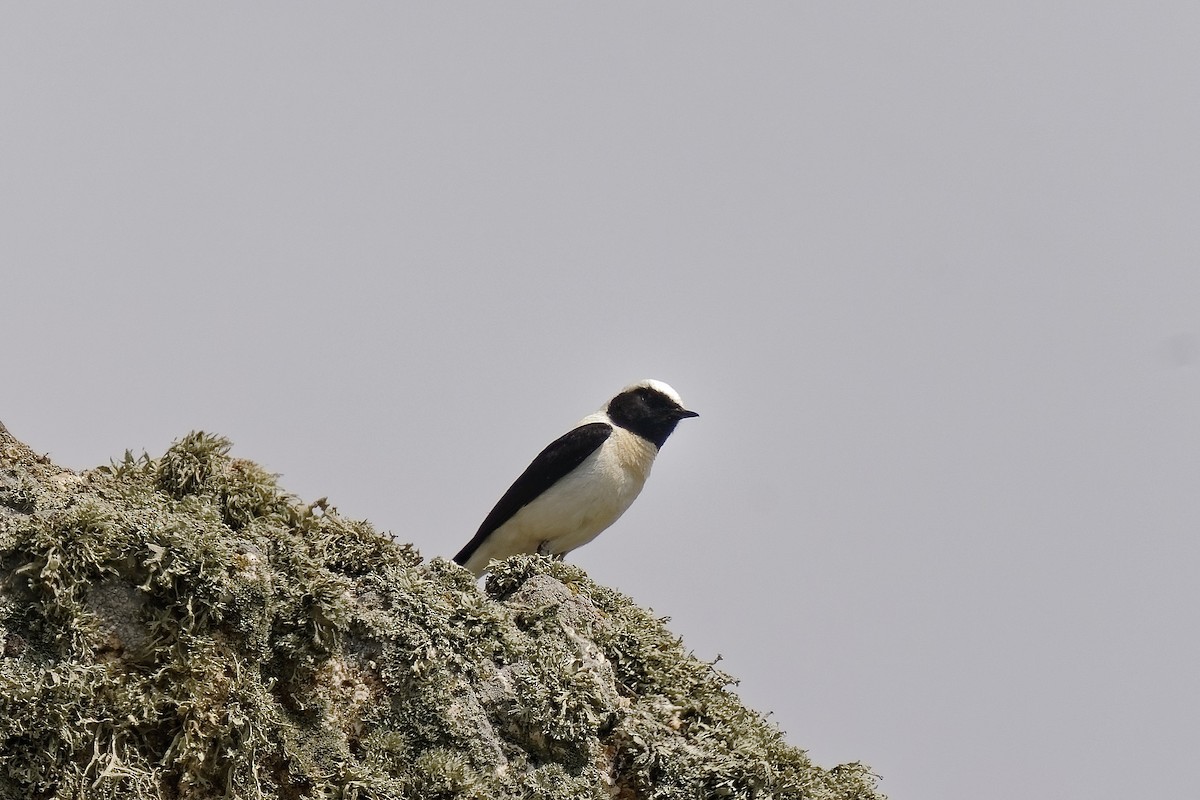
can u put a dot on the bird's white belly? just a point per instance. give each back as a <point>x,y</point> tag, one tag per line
<point>575,510</point>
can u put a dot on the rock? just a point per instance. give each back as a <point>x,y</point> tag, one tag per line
<point>183,628</point>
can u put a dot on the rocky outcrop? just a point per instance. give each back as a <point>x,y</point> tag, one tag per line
<point>181,627</point>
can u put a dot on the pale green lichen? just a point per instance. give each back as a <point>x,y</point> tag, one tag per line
<point>182,628</point>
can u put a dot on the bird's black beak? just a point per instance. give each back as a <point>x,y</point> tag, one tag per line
<point>683,413</point>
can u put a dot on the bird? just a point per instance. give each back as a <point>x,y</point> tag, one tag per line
<point>582,481</point>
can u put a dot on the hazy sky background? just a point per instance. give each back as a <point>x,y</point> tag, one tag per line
<point>930,272</point>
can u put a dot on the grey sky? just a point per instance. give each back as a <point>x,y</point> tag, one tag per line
<point>930,272</point>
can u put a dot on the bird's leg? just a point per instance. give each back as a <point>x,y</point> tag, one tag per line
<point>543,549</point>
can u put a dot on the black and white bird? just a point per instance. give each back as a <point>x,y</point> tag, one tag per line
<point>582,482</point>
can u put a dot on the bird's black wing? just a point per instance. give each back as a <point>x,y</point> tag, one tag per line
<point>560,457</point>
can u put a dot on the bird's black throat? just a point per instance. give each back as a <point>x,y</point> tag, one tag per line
<point>647,412</point>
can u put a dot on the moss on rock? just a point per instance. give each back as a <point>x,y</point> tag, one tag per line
<point>182,628</point>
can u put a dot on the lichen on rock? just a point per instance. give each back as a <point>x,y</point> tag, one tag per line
<point>181,627</point>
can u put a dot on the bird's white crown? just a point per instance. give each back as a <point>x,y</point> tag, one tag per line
<point>658,386</point>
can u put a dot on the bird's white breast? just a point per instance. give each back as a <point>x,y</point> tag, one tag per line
<point>578,507</point>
